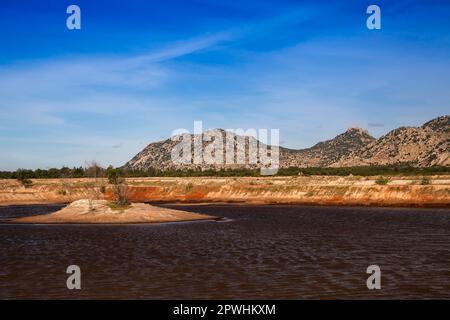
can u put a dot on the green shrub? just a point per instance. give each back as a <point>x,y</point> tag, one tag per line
<point>23,176</point>
<point>382,181</point>
<point>113,175</point>
<point>119,206</point>
<point>27,183</point>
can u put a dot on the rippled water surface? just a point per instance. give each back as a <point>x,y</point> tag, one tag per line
<point>270,252</point>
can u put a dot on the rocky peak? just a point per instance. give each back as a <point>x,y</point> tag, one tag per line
<point>326,153</point>
<point>353,137</point>
<point>441,124</point>
<point>357,130</point>
<point>423,146</point>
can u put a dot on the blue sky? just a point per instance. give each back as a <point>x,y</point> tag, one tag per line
<point>137,70</point>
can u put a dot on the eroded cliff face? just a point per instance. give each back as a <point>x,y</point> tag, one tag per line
<point>268,190</point>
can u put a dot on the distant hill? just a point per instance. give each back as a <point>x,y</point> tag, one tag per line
<point>157,155</point>
<point>326,153</point>
<point>428,145</point>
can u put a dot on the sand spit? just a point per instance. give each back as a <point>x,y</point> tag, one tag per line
<point>103,211</point>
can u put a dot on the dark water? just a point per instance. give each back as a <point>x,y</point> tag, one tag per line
<point>270,252</point>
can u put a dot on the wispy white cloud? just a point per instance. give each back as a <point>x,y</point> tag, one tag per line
<point>80,83</point>
<point>181,48</point>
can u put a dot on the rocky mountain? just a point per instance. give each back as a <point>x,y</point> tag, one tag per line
<point>423,146</point>
<point>159,155</point>
<point>428,145</point>
<point>326,153</point>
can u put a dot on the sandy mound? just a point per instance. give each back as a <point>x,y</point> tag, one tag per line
<point>103,211</point>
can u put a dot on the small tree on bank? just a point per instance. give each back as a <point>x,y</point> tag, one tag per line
<point>119,186</point>
<point>94,170</point>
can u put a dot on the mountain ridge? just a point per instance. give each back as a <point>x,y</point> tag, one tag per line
<point>423,146</point>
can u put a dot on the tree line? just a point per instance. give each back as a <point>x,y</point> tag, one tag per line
<point>96,171</point>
